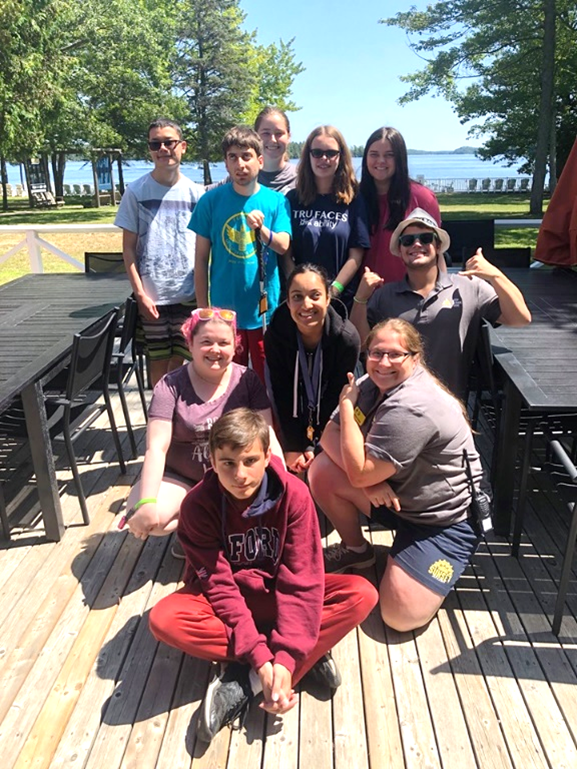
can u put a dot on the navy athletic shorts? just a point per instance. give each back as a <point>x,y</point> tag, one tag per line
<point>435,556</point>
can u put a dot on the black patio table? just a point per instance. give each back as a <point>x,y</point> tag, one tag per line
<point>39,314</point>
<point>539,364</point>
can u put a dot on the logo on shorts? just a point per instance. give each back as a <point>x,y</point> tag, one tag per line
<point>238,238</point>
<point>441,570</point>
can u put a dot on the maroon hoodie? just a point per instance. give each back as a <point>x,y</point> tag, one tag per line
<point>273,546</point>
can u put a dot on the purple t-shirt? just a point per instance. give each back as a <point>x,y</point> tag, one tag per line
<point>174,399</point>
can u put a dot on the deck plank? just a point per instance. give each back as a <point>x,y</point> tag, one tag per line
<point>282,740</point>
<point>350,740</point>
<point>453,739</point>
<point>123,706</point>
<point>507,696</point>
<point>534,653</point>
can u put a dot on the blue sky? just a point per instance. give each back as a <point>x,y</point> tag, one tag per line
<point>353,65</point>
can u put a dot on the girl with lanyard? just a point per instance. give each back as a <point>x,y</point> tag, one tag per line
<point>389,195</point>
<point>401,451</point>
<point>309,347</point>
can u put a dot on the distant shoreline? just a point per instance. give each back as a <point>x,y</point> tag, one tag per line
<point>458,151</point>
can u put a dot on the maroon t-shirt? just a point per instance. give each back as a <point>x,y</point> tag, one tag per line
<point>174,399</point>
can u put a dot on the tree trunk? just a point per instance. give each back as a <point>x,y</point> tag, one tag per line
<point>28,185</point>
<point>553,154</point>
<point>4,178</point>
<point>44,164</point>
<point>58,162</point>
<point>545,109</point>
<point>206,172</point>
<point>120,174</point>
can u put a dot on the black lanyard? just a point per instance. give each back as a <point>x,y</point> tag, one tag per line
<point>312,383</point>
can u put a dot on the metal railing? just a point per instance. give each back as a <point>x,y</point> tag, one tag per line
<point>504,185</point>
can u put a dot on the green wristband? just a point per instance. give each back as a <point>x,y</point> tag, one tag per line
<point>147,501</point>
<point>339,286</point>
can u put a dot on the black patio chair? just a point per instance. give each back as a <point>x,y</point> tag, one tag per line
<point>126,363</point>
<point>101,261</point>
<point>467,235</point>
<point>113,262</point>
<point>90,363</point>
<point>4,516</point>
<point>15,461</point>
<point>560,465</point>
<point>488,400</point>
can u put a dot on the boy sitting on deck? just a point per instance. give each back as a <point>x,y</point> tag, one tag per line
<point>256,598</point>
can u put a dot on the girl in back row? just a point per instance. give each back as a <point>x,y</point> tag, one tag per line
<point>329,222</point>
<point>390,195</point>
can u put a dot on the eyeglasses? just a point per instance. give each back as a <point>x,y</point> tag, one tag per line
<point>170,144</point>
<point>209,313</point>
<point>329,154</point>
<point>425,238</point>
<point>393,357</point>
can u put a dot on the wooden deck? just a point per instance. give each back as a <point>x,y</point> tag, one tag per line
<point>84,684</point>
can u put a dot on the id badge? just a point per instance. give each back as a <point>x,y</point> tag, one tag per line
<point>359,416</point>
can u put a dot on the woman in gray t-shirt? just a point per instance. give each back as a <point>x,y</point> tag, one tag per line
<point>395,451</point>
<point>185,404</point>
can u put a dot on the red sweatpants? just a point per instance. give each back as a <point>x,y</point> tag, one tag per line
<point>187,621</point>
<point>251,341</point>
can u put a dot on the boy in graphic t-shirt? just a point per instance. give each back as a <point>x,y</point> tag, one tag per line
<point>227,221</point>
<point>158,248</point>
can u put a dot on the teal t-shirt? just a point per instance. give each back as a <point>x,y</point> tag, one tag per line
<point>220,216</point>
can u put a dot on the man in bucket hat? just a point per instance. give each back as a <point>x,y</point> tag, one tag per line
<point>446,308</point>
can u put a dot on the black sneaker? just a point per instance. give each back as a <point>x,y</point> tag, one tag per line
<point>338,558</point>
<point>228,695</point>
<point>325,673</point>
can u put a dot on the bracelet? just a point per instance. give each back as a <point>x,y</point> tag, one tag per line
<point>270,237</point>
<point>146,501</point>
<point>339,286</point>
<point>360,301</point>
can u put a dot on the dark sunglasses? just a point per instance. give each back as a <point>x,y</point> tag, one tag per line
<point>330,154</point>
<point>425,238</point>
<point>170,144</point>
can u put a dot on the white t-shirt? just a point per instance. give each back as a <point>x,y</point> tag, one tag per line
<point>165,247</point>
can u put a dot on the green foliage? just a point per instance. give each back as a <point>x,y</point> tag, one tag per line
<point>489,59</point>
<point>274,70</point>
<point>76,75</point>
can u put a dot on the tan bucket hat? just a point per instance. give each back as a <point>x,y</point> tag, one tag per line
<point>419,216</point>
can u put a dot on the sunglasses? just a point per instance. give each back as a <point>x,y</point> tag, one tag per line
<point>209,313</point>
<point>424,238</point>
<point>329,154</point>
<point>170,144</point>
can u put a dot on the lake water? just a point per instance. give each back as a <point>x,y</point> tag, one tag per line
<point>431,166</point>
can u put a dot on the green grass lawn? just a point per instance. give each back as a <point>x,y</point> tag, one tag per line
<point>453,206</point>
<point>74,244</point>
